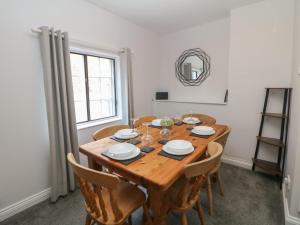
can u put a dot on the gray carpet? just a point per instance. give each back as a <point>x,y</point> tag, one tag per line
<point>250,199</point>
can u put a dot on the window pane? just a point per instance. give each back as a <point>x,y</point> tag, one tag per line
<point>107,109</point>
<point>95,110</point>
<point>101,109</point>
<point>100,67</point>
<point>79,87</point>
<point>107,91</point>
<point>95,88</point>
<point>77,65</point>
<point>94,66</point>
<point>80,110</point>
<point>101,87</point>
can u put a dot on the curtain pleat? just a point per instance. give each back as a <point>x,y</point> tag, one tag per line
<point>126,70</point>
<point>60,109</point>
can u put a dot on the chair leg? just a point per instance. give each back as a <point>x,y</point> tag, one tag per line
<point>88,219</point>
<point>200,212</point>
<point>146,215</point>
<point>219,183</point>
<point>183,219</point>
<point>130,220</point>
<point>209,196</point>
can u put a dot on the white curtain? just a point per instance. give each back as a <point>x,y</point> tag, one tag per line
<point>126,71</point>
<point>60,108</point>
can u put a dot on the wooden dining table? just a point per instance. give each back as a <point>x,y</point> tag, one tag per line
<point>155,172</point>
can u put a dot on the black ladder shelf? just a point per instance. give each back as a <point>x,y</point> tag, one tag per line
<point>274,168</point>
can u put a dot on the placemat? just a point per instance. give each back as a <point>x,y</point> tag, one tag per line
<point>163,142</point>
<point>134,141</point>
<point>201,136</point>
<point>117,139</point>
<point>125,162</point>
<point>176,157</point>
<point>158,127</point>
<point>147,149</point>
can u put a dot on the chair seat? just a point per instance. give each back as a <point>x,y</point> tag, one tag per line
<point>128,197</point>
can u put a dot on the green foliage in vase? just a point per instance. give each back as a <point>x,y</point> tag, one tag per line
<point>166,122</point>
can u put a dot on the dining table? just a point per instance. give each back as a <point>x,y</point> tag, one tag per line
<point>153,171</point>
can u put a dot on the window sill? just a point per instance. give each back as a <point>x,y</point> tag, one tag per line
<point>98,122</point>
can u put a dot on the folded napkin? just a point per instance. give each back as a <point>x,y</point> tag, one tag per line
<point>176,157</point>
<point>163,142</point>
<point>147,149</point>
<point>117,139</point>
<point>200,136</point>
<point>179,123</point>
<point>153,126</point>
<point>127,161</point>
<point>134,141</point>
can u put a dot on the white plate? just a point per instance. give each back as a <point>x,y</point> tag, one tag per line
<point>123,151</point>
<point>204,132</point>
<point>179,145</point>
<point>126,134</point>
<point>172,152</point>
<point>204,128</point>
<point>156,122</point>
<point>191,120</point>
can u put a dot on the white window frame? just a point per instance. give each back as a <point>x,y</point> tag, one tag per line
<point>118,85</point>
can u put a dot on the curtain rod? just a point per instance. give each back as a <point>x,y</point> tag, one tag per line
<point>87,44</point>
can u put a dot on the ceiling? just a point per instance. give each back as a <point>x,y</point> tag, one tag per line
<point>164,16</point>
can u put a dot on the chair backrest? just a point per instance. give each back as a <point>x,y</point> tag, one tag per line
<point>92,185</point>
<point>206,120</point>
<point>143,119</point>
<point>108,131</point>
<point>222,139</point>
<point>195,174</point>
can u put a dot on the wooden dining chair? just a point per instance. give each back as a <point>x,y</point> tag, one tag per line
<point>215,172</point>
<point>184,194</point>
<point>205,119</point>
<point>108,131</point>
<point>108,200</point>
<point>143,119</point>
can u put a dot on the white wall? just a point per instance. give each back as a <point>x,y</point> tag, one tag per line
<point>24,161</point>
<point>293,159</point>
<point>213,38</point>
<point>260,55</point>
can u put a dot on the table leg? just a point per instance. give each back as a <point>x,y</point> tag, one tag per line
<point>93,164</point>
<point>159,206</point>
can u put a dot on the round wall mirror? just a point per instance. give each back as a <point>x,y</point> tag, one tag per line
<point>192,67</point>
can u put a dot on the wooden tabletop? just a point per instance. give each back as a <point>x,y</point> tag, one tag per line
<point>152,170</point>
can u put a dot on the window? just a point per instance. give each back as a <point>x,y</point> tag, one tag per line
<point>94,86</point>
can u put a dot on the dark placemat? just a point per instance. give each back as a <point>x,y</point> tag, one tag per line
<point>158,127</point>
<point>176,157</point>
<point>125,162</point>
<point>147,149</point>
<point>163,142</point>
<point>179,123</point>
<point>200,136</point>
<point>117,139</point>
<point>134,141</point>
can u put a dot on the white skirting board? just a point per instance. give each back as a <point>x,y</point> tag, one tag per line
<point>237,162</point>
<point>289,219</point>
<point>24,204</point>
